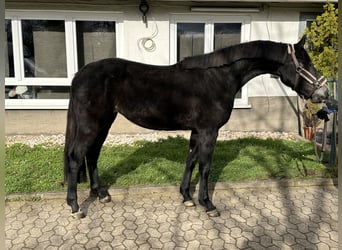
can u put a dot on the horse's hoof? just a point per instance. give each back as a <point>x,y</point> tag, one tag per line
<point>78,215</point>
<point>213,213</point>
<point>105,199</point>
<point>189,203</point>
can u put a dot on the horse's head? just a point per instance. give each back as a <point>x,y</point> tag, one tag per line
<point>299,73</point>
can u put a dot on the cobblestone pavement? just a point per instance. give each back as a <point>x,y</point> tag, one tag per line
<point>270,217</point>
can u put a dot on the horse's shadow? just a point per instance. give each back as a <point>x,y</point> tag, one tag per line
<point>165,158</point>
<point>172,152</point>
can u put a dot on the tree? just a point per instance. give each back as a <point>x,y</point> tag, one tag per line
<point>322,41</point>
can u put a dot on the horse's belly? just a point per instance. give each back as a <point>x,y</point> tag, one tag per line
<point>167,120</point>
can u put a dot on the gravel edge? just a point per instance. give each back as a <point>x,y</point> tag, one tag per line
<point>120,139</point>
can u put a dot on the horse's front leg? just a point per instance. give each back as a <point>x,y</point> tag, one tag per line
<point>95,187</point>
<point>207,145</point>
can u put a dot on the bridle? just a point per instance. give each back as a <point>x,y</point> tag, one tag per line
<point>317,83</point>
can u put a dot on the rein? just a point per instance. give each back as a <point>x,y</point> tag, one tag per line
<point>317,83</point>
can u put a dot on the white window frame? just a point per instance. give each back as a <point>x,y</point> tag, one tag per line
<point>304,18</point>
<point>69,18</point>
<point>209,22</point>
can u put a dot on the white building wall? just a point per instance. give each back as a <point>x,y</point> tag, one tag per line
<point>157,29</point>
<point>269,109</point>
<point>280,25</point>
<point>271,23</point>
<point>276,24</point>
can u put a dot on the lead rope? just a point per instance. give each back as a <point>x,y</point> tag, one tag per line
<point>333,156</point>
<point>319,157</point>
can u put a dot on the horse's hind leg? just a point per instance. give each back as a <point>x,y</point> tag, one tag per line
<point>87,132</point>
<point>92,157</point>
<point>206,148</point>
<point>76,159</point>
<point>190,164</point>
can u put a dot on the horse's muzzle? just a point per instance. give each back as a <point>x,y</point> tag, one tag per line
<point>320,95</point>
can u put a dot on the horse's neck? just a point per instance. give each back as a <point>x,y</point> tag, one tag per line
<point>240,63</point>
<point>226,57</point>
<point>263,50</point>
<point>263,60</point>
<point>255,67</point>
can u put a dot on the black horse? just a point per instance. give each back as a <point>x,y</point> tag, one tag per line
<point>195,94</point>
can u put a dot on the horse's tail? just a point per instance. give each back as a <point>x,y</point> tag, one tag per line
<point>70,136</point>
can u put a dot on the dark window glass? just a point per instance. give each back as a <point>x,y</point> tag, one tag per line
<point>44,48</point>
<point>226,34</point>
<point>9,63</point>
<point>190,39</point>
<point>37,92</point>
<point>95,40</point>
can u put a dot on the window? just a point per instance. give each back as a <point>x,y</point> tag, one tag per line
<point>194,35</point>
<point>226,34</point>
<point>95,41</point>
<point>9,65</point>
<point>44,50</point>
<point>306,19</point>
<point>190,40</point>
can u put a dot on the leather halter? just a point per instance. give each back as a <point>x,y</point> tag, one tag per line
<point>317,83</point>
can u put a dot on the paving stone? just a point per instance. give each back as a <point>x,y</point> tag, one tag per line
<point>217,244</point>
<point>241,242</point>
<point>255,245</point>
<point>129,244</point>
<point>289,239</point>
<point>266,241</point>
<point>270,218</point>
<point>313,238</point>
<point>258,231</point>
<point>334,236</point>
<point>322,246</point>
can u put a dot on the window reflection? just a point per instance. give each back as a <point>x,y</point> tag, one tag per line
<point>190,40</point>
<point>95,40</point>
<point>226,34</point>
<point>44,48</point>
<point>42,51</point>
<point>37,92</point>
<point>9,63</point>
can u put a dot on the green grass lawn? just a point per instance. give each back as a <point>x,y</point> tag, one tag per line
<point>40,169</point>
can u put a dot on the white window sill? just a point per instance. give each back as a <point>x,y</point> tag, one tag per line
<point>243,106</point>
<point>11,104</point>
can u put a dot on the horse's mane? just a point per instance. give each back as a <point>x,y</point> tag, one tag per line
<point>231,54</point>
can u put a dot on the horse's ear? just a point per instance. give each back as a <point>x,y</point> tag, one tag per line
<point>301,43</point>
